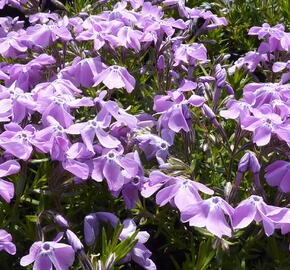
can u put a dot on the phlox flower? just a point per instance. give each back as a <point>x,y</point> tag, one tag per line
<point>139,254</point>
<point>109,166</point>
<point>74,160</point>
<point>263,126</point>
<point>12,45</point>
<point>16,103</point>
<point>88,131</point>
<point>209,213</point>
<point>43,17</point>
<point>189,53</point>
<point>17,141</point>
<point>82,71</point>
<point>278,174</point>
<point>133,179</point>
<point>155,146</point>
<point>57,87</point>
<point>7,188</point>
<point>48,254</point>
<point>174,111</point>
<point>116,77</point>
<point>266,30</point>
<point>44,34</point>
<point>181,192</point>
<point>178,191</point>
<point>52,139</point>
<point>254,208</point>
<point>28,75</point>
<point>127,37</point>
<point>6,242</point>
<point>59,107</point>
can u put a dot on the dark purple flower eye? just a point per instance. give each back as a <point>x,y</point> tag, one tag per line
<point>256,198</point>
<point>163,145</point>
<point>136,180</point>
<point>111,155</point>
<point>215,200</point>
<point>46,246</point>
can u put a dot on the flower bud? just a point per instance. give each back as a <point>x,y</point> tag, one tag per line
<point>74,241</point>
<point>60,220</point>
<point>244,163</point>
<point>254,163</point>
<point>161,63</point>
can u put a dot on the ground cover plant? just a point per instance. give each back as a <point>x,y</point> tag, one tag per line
<point>144,134</point>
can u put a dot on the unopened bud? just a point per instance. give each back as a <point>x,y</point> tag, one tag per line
<point>74,241</point>
<point>244,163</point>
<point>161,63</point>
<point>254,163</point>
<point>60,220</point>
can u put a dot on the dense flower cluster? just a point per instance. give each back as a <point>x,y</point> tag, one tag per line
<point>46,107</point>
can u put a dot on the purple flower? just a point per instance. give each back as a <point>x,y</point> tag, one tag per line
<point>74,160</point>
<point>236,109</point>
<point>261,94</point>
<point>180,5</point>
<point>180,192</point>
<point>59,107</point>
<point>189,53</point>
<point>12,46</point>
<point>278,174</point>
<point>276,31</point>
<point>43,17</point>
<point>16,103</point>
<point>58,87</point>
<point>263,125</point>
<point>254,208</point>
<point>82,72</point>
<point>153,145</point>
<point>250,162</point>
<point>48,254</point>
<point>28,75</point>
<point>92,224</point>
<point>109,166</point>
<point>139,254</point>
<point>209,213</point>
<point>6,242</point>
<point>18,141</point>
<point>116,77</point>
<point>127,37</point>
<point>6,188</point>
<point>44,34</point>
<point>279,66</point>
<point>52,139</point>
<point>174,110</point>
<point>92,128</point>
<point>133,179</point>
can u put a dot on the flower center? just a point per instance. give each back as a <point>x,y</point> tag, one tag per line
<point>163,145</point>
<point>111,155</point>
<point>215,200</point>
<point>136,180</point>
